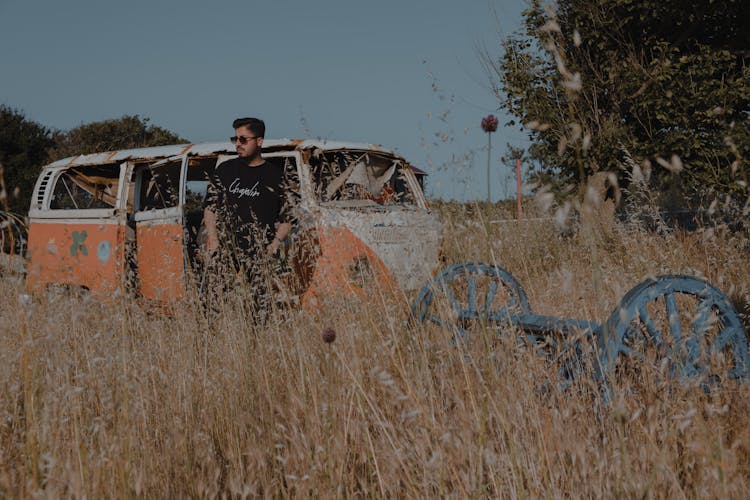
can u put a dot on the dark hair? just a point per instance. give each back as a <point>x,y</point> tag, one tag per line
<point>255,125</point>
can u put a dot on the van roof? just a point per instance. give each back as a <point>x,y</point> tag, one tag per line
<point>207,148</point>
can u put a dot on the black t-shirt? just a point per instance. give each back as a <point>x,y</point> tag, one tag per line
<point>247,201</point>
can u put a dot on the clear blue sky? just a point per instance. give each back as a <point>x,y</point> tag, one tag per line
<point>404,74</point>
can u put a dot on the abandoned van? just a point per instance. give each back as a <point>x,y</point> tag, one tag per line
<point>129,221</point>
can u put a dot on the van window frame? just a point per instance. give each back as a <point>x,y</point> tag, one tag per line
<point>45,212</point>
<point>140,215</point>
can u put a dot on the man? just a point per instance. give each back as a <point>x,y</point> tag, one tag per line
<point>245,217</point>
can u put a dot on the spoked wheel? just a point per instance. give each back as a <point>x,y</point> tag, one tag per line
<point>681,326</point>
<point>470,294</point>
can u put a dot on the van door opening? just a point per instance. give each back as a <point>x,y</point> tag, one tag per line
<point>159,229</point>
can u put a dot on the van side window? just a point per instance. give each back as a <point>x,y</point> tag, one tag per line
<point>196,183</point>
<point>160,186</point>
<point>83,188</point>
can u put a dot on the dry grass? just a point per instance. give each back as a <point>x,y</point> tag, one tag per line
<point>113,402</point>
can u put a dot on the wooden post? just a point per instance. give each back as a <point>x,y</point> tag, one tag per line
<point>518,189</point>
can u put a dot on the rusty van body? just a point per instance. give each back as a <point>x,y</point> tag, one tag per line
<point>129,221</point>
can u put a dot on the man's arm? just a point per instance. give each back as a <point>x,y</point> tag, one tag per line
<point>210,203</point>
<point>282,231</point>
<point>289,187</point>
<point>212,235</point>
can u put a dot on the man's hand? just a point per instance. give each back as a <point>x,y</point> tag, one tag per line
<point>282,231</point>
<point>273,247</point>
<point>212,244</point>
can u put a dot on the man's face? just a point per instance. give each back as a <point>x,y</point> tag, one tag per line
<point>252,144</point>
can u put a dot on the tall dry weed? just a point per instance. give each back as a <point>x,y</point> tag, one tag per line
<point>110,400</point>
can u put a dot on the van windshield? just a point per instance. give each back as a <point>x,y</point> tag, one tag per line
<point>360,177</point>
<point>85,188</point>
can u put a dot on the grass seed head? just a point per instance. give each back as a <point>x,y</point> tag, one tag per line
<point>329,335</point>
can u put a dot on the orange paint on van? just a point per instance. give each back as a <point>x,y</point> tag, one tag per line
<point>161,262</point>
<point>71,253</point>
<point>346,266</point>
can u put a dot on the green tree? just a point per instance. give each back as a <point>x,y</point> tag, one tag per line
<point>608,84</point>
<point>23,150</point>
<point>122,133</point>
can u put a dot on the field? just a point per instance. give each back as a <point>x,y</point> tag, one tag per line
<point>102,401</point>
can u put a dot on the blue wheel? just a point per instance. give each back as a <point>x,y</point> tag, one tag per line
<point>470,293</point>
<point>682,326</point>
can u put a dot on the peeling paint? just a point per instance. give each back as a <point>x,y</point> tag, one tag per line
<point>79,244</point>
<point>407,240</point>
<point>103,251</point>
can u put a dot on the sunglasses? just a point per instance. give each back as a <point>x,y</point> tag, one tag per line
<point>241,139</point>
